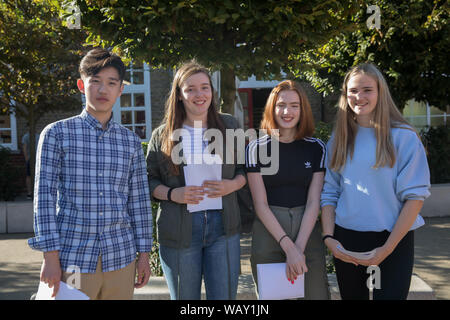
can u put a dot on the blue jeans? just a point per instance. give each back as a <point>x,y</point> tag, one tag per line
<point>212,255</point>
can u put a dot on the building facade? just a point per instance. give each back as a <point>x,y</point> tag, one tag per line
<point>141,106</point>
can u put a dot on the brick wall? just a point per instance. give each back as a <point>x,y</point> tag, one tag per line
<point>329,105</point>
<point>43,122</point>
<point>18,161</point>
<point>18,158</point>
<point>323,108</point>
<point>315,100</point>
<point>160,83</point>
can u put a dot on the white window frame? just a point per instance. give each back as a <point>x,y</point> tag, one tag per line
<point>251,82</point>
<point>138,88</point>
<point>13,144</point>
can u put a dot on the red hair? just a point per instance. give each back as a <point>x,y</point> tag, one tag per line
<point>305,126</point>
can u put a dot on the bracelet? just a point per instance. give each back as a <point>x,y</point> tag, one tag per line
<point>327,236</point>
<point>279,241</point>
<point>169,194</point>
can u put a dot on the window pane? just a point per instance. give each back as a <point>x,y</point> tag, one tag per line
<point>125,100</point>
<point>139,117</point>
<point>140,131</point>
<point>246,117</point>
<point>244,99</point>
<point>126,117</point>
<point>5,136</point>
<point>137,65</point>
<point>138,77</point>
<point>5,121</point>
<point>127,76</point>
<point>139,100</point>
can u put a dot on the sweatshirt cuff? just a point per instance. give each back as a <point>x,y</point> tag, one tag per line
<point>328,203</point>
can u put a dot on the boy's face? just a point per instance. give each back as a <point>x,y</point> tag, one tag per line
<point>101,90</point>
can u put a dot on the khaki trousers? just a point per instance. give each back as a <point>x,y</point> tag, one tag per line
<point>113,285</point>
<point>265,249</point>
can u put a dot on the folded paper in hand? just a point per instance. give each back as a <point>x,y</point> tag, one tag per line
<point>358,255</point>
<point>273,284</point>
<point>65,292</point>
<point>195,175</point>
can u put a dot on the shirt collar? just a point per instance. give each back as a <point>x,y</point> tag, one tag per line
<point>93,122</point>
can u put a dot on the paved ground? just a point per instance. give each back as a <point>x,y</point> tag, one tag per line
<point>432,255</point>
<point>20,266</point>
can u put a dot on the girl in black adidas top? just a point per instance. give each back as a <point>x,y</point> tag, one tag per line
<point>287,202</point>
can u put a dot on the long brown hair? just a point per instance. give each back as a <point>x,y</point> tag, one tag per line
<point>175,113</point>
<point>386,116</point>
<point>305,125</point>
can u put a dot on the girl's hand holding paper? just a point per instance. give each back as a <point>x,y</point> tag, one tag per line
<point>188,194</point>
<point>216,189</point>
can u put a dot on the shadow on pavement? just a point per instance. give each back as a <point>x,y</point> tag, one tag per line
<point>19,282</point>
<point>432,255</point>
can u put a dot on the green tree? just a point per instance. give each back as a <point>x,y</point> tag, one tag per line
<point>38,61</point>
<point>239,38</point>
<point>410,47</point>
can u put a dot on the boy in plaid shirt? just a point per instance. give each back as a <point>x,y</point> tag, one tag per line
<point>92,210</point>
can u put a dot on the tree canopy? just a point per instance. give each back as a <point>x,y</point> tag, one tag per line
<point>39,60</point>
<point>240,38</point>
<point>411,48</point>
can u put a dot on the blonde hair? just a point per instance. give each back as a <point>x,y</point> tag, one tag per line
<point>385,116</point>
<point>305,126</point>
<point>175,113</point>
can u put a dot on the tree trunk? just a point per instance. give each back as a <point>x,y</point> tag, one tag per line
<point>227,90</point>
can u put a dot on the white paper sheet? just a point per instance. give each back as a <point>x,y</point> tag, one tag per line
<point>273,284</point>
<point>195,175</point>
<point>358,255</point>
<point>65,292</point>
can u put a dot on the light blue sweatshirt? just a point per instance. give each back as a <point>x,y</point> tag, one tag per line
<point>368,199</point>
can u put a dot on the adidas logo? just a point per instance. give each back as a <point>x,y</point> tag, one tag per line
<point>307,165</point>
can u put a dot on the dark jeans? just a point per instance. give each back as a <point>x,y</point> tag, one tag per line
<point>211,255</point>
<point>395,270</point>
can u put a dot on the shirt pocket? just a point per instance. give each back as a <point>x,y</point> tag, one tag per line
<point>75,169</point>
<point>120,170</point>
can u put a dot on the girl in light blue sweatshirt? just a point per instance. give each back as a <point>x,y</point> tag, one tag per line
<point>376,181</point>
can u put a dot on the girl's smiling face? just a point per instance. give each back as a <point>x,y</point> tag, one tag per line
<point>287,109</point>
<point>362,97</point>
<point>196,94</point>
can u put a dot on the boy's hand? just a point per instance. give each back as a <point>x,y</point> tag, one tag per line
<point>51,271</point>
<point>143,271</point>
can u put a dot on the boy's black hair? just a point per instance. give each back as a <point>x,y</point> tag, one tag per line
<point>98,59</point>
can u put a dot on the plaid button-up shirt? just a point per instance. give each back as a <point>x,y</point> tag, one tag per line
<point>91,195</point>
